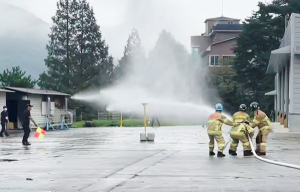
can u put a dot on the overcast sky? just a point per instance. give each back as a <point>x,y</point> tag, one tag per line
<point>183,18</point>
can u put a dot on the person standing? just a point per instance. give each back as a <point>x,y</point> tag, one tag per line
<point>154,118</point>
<point>25,123</point>
<point>262,121</point>
<point>4,121</point>
<point>214,131</point>
<point>239,131</point>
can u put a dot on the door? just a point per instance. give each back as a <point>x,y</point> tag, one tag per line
<point>22,105</point>
<point>12,109</point>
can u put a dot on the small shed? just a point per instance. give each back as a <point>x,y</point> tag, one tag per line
<point>48,105</point>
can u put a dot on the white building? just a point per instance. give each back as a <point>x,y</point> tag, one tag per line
<point>285,63</point>
<point>47,105</point>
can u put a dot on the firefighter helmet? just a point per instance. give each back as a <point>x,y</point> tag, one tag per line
<point>243,107</point>
<point>219,107</point>
<point>254,106</point>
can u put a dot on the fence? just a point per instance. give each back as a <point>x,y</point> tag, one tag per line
<point>109,115</point>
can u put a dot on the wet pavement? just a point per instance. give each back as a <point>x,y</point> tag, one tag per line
<point>113,159</point>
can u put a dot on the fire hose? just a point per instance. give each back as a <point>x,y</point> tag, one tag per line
<point>267,160</point>
<point>271,161</point>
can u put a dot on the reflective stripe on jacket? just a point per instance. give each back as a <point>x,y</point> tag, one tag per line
<point>242,129</point>
<point>216,122</point>
<point>261,120</point>
<point>240,116</point>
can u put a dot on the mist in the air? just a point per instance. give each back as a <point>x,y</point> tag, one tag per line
<point>168,79</point>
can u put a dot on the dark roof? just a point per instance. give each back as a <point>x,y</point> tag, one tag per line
<point>228,27</point>
<point>225,40</point>
<point>36,91</point>
<point>221,19</point>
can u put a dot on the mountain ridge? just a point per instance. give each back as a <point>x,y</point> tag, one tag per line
<point>23,39</point>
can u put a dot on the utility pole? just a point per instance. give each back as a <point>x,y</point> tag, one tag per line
<point>222,7</point>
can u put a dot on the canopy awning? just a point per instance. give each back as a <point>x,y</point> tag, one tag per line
<point>272,93</point>
<point>4,90</point>
<point>283,50</point>
<point>278,59</point>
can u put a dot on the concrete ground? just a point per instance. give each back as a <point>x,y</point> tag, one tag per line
<point>113,159</point>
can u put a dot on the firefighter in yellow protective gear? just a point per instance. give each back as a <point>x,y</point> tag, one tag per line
<point>262,121</point>
<point>240,131</point>
<point>214,130</point>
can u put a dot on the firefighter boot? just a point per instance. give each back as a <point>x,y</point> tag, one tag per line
<point>220,154</point>
<point>211,153</point>
<point>248,153</point>
<point>233,153</point>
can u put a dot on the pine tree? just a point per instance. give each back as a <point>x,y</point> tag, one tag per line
<point>77,56</point>
<point>61,48</point>
<point>134,54</point>
<point>94,64</point>
<point>16,78</point>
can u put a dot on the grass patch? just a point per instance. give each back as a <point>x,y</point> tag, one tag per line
<point>106,123</point>
<point>78,124</point>
<point>133,123</point>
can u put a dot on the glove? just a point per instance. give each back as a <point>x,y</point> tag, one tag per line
<point>247,122</point>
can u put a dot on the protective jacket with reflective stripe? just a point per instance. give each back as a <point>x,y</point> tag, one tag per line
<point>239,117</point>
<point>261,120</point>
<point>241,130</point>
<point>215,123</point>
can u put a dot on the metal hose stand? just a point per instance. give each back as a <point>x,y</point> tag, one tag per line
<point>271,161</point>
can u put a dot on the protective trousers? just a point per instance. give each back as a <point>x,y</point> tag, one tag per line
<point>261,140</point>
<point>220,141</point>
<point>153,121</point>
<point>235,142</point>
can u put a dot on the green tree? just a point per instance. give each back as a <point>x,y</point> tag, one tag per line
<point>95,66</point>
<point>134,54</point>
<point>77,56</point>
<point>16,78</point>
<point>262,34</point>
<point>61,48</point>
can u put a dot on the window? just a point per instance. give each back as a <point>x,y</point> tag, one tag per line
<point>214,60</point>
<point>227,60</point>
<point>230,22</point>
<point>195,50</point>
